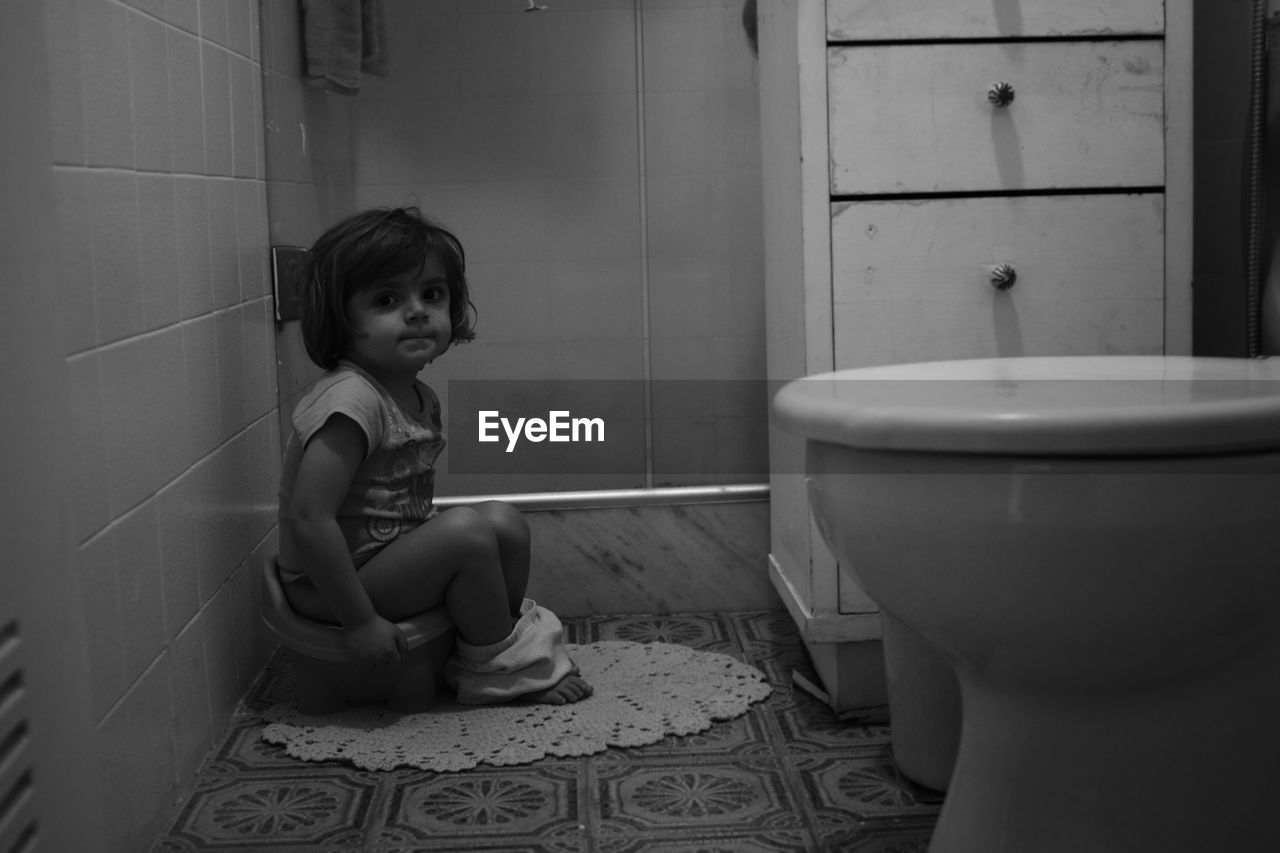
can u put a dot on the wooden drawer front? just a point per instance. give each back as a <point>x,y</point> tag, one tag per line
<point>912,278</point>
<point>916,118</point>
<point>875,20</point>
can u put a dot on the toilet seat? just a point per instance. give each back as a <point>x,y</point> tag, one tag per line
<point>1088,545</point>
<point>1066,405</point>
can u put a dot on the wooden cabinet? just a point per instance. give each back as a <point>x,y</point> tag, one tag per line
<point>918,118</point>
<point>899,20</point>
<point>956,179</point>
<point>914,280</point>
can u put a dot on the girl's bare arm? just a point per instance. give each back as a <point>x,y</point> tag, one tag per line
<point>325,473</point>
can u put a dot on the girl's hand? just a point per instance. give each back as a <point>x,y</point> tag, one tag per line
<point>376,643</point>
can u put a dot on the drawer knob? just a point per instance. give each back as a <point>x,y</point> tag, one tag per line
<point>1000,94</point>
<point>1003,276</point>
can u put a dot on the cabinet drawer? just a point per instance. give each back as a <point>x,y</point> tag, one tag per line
<point>912,279</point>
<point>874,20</point>
<point>916,118</point>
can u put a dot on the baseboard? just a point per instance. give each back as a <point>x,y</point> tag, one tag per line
<point>822,628</point>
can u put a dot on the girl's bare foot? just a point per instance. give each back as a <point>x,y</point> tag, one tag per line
<point>572,688</point>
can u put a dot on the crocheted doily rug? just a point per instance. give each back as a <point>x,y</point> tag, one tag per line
<point>643,692</point>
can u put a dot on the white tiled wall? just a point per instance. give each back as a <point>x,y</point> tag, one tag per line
<point>309,170</point>
<point>161,203</point>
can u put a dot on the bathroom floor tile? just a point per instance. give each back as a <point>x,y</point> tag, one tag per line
<point>277,811</point>
<point>773,630</point>
<point>706,796</point>
<point>785,776</point>
<point>273,686</point>
<point>869,788</point>
<point>809,726</point>
<point>712,632</point>
<point>622,839</point>
<point>244,748</point>
<point>515,804</point>
<point>900,839</point>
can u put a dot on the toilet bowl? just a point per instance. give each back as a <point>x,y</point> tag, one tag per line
<point>324,677</point>
<point>1092,546</point>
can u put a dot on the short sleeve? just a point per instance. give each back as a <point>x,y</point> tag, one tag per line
<point>346,394</point>
<point>433,406</point>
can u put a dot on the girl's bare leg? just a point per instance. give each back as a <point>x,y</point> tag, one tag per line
<point>453,559</point>
<point>512,532</point>
<point>474,560</point>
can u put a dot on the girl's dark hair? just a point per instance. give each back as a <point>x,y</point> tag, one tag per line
<point>363,250</point>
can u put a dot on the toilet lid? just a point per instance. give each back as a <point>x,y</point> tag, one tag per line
<point>1067,405</point>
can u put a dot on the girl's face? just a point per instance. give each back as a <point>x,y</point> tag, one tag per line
<point>402,323</point>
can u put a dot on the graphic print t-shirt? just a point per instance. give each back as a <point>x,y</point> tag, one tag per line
<point>394,485</point>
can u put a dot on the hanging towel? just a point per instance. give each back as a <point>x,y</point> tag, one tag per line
<point>341,39</point>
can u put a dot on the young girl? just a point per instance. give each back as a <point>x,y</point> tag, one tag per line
<point>385,294</point>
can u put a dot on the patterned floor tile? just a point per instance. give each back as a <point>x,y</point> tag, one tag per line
<point>275,684</point>
<point>786,776</point>
<point>770,627</point>
<point>898,839</point>
<point>341,844</point>
<point>783,841</point>
<point>244,748</point>
<point>555,843</point>
<point>530,801</point>
<point>831,827</point>
<point>810,726</point>
<point>282,811</point>
<point>867,788</point>
<point>712,632</point>
<point>772,642</point>
<point>702,797</point>
<point>768,635</point>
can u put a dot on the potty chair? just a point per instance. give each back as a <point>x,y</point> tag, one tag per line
<point>325,678</point>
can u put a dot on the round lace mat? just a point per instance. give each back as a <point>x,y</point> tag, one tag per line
<point>643,692</point>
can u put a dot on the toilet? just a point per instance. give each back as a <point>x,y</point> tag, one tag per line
<point>325,680</point>
<point>1091,546</point>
